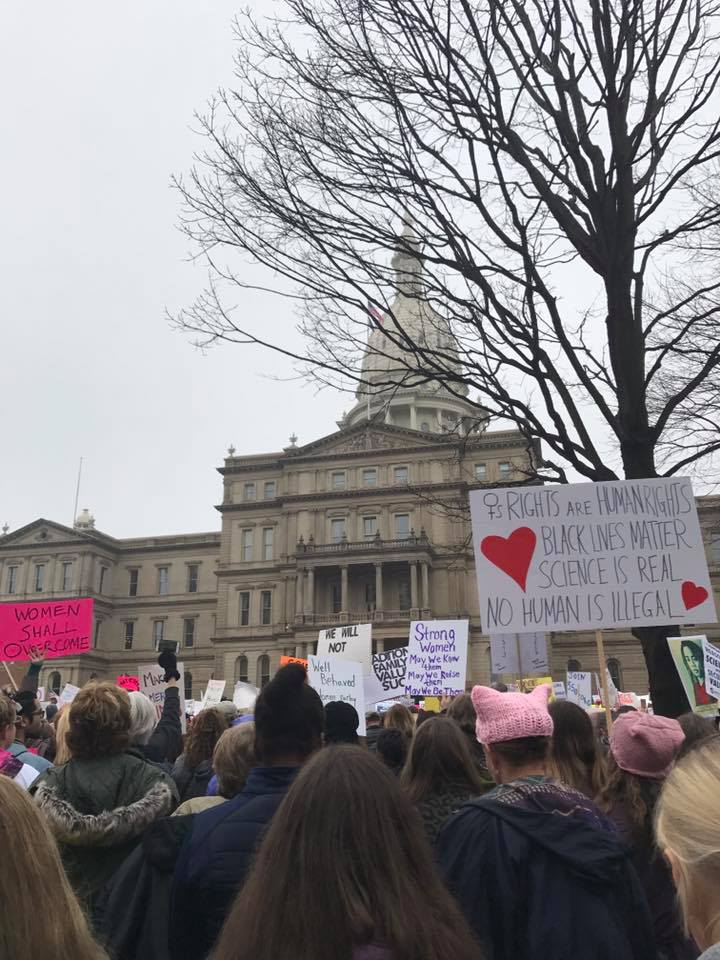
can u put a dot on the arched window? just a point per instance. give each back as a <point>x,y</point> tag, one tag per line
<point>55,681</point>
<point>574,666</point>
<point>615,672</point>
<point>188,685</point>
<point>263,670</point>
<point>241,669</point>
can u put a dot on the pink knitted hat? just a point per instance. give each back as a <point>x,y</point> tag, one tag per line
<point>645,745</point>
<point>511,716</point>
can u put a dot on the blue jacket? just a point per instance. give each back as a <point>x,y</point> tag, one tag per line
<point>20,752</point>
<point>215,859</point>
<point>539,883</point>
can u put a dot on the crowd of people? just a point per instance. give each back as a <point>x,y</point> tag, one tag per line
<point>506,828</point>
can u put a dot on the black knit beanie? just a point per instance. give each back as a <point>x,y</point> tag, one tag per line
<point>288,716</point>
<point>341,722</point>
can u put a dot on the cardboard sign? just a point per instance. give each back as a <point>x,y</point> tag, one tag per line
<point>245,695</point>
<point>437,658</point>
<point>590,556</point>
<point>689,655</point>
<point>350,642</point>
<point>152,684</point>
<point>70,691</point>
<point>284,661</point>
<point>335,678</point>
<point>58,629</point>
<point>213,694</point>
<point>387,676</point>
<point>579,689</point>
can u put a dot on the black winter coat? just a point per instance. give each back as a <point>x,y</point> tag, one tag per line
<point>192,782</point>
<point>545,881</point>
<point>215,860</point>
<point>165,745</point>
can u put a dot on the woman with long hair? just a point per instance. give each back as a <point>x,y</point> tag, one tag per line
<point>345,873</point>
<point>440,775</point>
<point>643,748</point>
<point>574,756</point>
<point>688,833</point>
<point>193,768</point>
<point>62,726</point>
<point>399,718</point>
<point>39,914</point>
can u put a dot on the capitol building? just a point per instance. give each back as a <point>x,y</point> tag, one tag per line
<point>368,524</point>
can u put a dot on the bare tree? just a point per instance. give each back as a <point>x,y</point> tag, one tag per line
<point>557,160</point>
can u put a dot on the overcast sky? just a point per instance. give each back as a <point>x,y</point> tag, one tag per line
<point>98,102</point>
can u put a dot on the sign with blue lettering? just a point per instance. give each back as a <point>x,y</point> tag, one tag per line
<point>436,658</point>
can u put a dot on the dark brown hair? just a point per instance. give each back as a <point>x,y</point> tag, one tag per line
<point>574,754</point>
<point>697,730</point>
<point>524,750</point>
<point>637,796</point>
<point>462,712</point>
<point>289,717</point>
<point>345,863</point>
<point>440,757</point>
<point>99,722</point>
<point>399,718</point>
<point>207,728</point>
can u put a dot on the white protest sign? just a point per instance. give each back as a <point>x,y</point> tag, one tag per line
<point>590,556</point>
<point>579,689</point>
<point>534,654</point>
<point>245,695</point>
<point>519,653</point>
<point>350,642</point>
<point>213,693</point>
<point>40,694</point>
<point>559,690</point>
<point>437,658</point>
<point>387,676</point>
<point>337,679</point>
<point>712,669</point>
<point>504,654</point>
<point>68,695</point>
<point>152,684</point>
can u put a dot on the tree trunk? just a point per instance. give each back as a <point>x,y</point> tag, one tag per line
<point>666,689</point>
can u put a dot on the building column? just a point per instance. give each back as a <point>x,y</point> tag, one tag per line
<point>413,417</point>
<point>310,594</point>
<point>300,576</point>
<point>379,645</point>
<point>343,589</point>
<point>299,650</point>
<point>425,586</point>
<point>378,587</point>
<point>413,585</point>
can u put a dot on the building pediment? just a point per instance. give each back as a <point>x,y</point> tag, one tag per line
<point>41,532</point>
<point>363,437</point>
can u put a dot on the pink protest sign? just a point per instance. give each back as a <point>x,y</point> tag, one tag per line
<point>51,629</point>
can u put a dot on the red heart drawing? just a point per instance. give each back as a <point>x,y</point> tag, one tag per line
<point>512,554</point>
<point>693,595</point>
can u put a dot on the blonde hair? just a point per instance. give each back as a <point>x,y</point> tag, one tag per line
<point>62,725</point>
<point>143,718</point>
<point>32,874</point>
<point>688,829</point>
<point>233,758</point>
<point>399,718</point>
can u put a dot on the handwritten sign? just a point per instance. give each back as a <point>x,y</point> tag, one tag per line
<point>387,677</point>
<point>213,694</point>
<point>284,661</point>
<point>70,691</point>
<point>245,695</point>
<point>690,658</point>
<point>519,653</point>
<point>152,684</point>
<point>590,556</point>
<point>559,690</point>
<point>437,658</point>
<point>527,684</point>
<point>335,678</point>
<point>59,629</point>
<point>128,682</point>
<point>351,642</point>
<point>579,689</point>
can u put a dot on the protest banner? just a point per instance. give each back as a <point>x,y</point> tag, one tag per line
<point>245,695</point>
<point>335,678</point>
<point>213,694</point>
<point>61,628</point>
<point>518,654</point>
<point>69,692</point>
<point>579,689</point>
<point>128,682</point>
<point>504,654</point>
<point>351,642</point>
<point>688,654</point>
<point>387,675</point>
<point>431,704</point>
<point>152,684</point>
<point>590,556</point>
<point>437,658</point>
<point>284,661</point>
<point>559,690</point>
